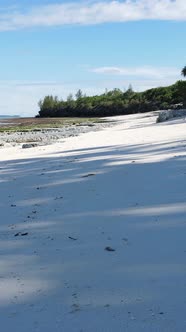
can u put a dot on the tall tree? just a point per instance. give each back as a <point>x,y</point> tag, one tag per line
<point>79,94</point>
<point>183,72</point>
<point>70,101</point>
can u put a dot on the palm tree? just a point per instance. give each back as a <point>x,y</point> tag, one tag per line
<point>183,72</point>
<point>183,88</point>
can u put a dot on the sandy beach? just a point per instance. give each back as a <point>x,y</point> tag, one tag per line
<point>92,231</point>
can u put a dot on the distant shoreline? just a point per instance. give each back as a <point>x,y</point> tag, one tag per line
<point>9,116</point>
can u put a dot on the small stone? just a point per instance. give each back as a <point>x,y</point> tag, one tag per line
<point>22,234</point>
<point>87,175</point>
<point>30,145</point>
<point>109,249</point>
<point>17,234</point>
<point>72,238</point>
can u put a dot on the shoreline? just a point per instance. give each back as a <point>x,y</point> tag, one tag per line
<point>46,136</point>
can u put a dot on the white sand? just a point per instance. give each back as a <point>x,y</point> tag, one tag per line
<point>135,203</point>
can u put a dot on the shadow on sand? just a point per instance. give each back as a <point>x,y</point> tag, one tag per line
<point>59,277</point>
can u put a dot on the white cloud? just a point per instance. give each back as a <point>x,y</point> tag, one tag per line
<point>141,72</point>
<point>94,12</point>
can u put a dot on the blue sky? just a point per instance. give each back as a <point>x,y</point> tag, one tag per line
<point>57,47</point>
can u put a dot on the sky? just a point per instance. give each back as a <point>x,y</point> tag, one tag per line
<point>56,47</point>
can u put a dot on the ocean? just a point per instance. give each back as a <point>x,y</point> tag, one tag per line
<point>9,116</point>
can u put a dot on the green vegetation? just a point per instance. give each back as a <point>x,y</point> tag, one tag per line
<point>115,102</point>
<point>183,72</point>
<point>37,125</point>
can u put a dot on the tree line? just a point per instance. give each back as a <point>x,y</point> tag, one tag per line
<point>115,102</point>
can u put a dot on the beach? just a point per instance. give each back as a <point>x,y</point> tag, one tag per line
<point>44,131</point>
<point>93,230</point>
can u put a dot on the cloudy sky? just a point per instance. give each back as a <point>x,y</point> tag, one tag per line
<point>58,46</point>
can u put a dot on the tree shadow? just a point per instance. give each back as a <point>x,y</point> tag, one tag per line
<point>75,204</point>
